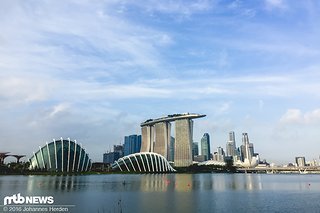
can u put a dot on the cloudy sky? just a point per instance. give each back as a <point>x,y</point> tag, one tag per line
<point>94,70</point>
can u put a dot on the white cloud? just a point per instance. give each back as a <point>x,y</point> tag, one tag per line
<point>296,116</point>
<point>59,109</point>
<point>93,72</point>
<point>292,116</point>
<point>55,39</point>
<point>224,108</point>
<point>275,4</point>
<point>312,116</point>
<point>176,7</point>
<point>17,90</point>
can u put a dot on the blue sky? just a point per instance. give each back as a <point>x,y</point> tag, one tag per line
<point>94,70</point>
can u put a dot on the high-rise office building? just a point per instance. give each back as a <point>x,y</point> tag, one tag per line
<point>132,144</point>
<point>195,149</point>
<point>162,138</point>
<point>183,143</point>
<point>246,148</point>
<point>231,148</point>
<point>156,137</point>
<point>171,149</point>
<point>219,155</point>
<point>205,146</point>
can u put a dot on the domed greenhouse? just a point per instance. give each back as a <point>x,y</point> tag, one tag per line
<point>61,156</point>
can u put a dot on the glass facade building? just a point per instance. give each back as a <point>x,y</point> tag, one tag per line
<point>145,162</point>
<point>205,146</point>
<point>132,144</point>
<point>110,157</point>
<point>61,156</point>
<point>195,149</point>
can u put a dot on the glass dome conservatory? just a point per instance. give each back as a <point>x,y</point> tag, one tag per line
<point>145,162</point>
<point>61,156</point>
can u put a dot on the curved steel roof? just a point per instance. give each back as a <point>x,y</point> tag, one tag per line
<point>148,162</point>
<point>172,117</point>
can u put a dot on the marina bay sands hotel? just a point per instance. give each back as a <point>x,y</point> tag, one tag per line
<point>156,135</point>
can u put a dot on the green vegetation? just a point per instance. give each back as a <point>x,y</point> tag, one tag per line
<point>23,169</point>
<point>207,169</point>
<point>14,168</point>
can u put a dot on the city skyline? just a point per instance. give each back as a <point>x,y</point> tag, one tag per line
<point>93,71</point>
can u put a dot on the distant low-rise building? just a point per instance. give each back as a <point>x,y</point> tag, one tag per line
<point>111,157</point>
<point>199,158</point>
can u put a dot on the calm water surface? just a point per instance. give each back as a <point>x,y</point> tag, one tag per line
<point>172,192</point>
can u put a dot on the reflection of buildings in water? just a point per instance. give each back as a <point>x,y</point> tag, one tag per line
<point>246,182</point>
<point>167,192</point>
<point>204,182</point>
<point>183,182</point>
<point>225,182</point>
<point>253,182</point>
<point>39,183</point>
<point>209,181</point>
<point>154,188</point>
<point>155,183</point>
<point>185,198</point>
<point>166,182</point>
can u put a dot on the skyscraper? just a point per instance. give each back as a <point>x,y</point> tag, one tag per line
<point>205,146</point>
<point>156,137</point>
<point>195,149</point>
<point>246,148</point>
<point>231,145</point>
<point>219,155</point>
<point>162,138</point>
<point>132,144</point>
<point>171,149</point>
<point>183,143</point>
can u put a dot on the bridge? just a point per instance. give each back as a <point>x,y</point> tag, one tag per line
<point>282,170</point>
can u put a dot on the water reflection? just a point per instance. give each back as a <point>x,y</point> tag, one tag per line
<point>143,183</point>
<point>190,182</point>
<point>56,183</point>
<point>163,192</point>
<point>219,182</point>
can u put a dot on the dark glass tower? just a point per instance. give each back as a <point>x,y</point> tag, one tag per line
<point>132,144</point>
<point>205,146</point>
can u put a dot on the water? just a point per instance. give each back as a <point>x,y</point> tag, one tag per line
<point>171,192</point>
